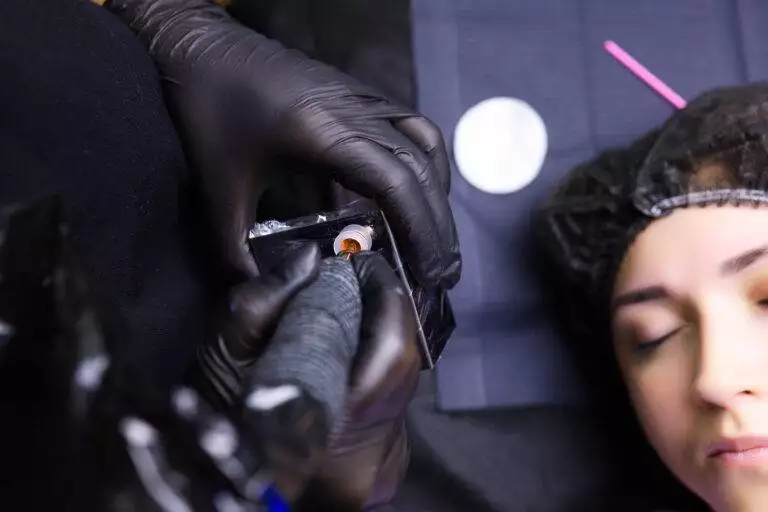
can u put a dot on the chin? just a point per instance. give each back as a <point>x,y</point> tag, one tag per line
<point>738,497</point>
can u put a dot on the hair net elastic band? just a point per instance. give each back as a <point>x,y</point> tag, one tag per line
<point>705,197</point>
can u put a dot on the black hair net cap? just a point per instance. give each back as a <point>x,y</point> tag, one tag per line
<point>715,151</point>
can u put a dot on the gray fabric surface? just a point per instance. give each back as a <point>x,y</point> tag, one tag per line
<point>317,337</point>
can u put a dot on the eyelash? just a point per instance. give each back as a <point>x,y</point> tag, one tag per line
<point>646,347</point>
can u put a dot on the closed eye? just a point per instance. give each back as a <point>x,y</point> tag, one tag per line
<point>646,347</point>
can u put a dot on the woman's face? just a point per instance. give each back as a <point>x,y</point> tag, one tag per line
<point>690,324</point>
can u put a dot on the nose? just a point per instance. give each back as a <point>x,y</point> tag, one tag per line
<point>732,354</point>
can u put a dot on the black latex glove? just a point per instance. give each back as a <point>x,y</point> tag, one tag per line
<point>195,454</point>
<point>368,452</point>
<point>238,97</point>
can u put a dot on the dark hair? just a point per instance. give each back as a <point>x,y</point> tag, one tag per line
<point>600,207</point>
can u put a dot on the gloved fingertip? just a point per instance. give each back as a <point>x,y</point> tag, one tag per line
<point>426,275</point>
<point>236,254</point>
<point>446,273</point>
<point>301,265</point>
<point>452,273</point>
<point>246,264</point>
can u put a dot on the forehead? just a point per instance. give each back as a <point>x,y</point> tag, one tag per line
<point>691,244</point>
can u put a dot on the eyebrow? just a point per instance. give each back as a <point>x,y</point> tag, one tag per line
<point>742,261</point>
<point>639,296</point>
<point>729,267</point>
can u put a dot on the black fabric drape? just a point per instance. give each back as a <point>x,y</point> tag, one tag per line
<point>368,39</point>
<point>82,115</point>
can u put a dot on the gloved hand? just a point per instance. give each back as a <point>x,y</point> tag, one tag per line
<point>368,453</point>
<point>238,96</point>
<point>194,456</point>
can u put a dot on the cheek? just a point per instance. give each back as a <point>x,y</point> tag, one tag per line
<point>660,394</point>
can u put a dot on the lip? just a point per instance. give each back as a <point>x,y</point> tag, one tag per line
<point>740,451</point>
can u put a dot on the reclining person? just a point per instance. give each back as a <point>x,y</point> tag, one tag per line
<point>664,242</point>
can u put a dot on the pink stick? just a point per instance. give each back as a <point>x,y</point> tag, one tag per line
<point>643,74</point>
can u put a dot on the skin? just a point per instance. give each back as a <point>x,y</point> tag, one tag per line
<point>693,345</point>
